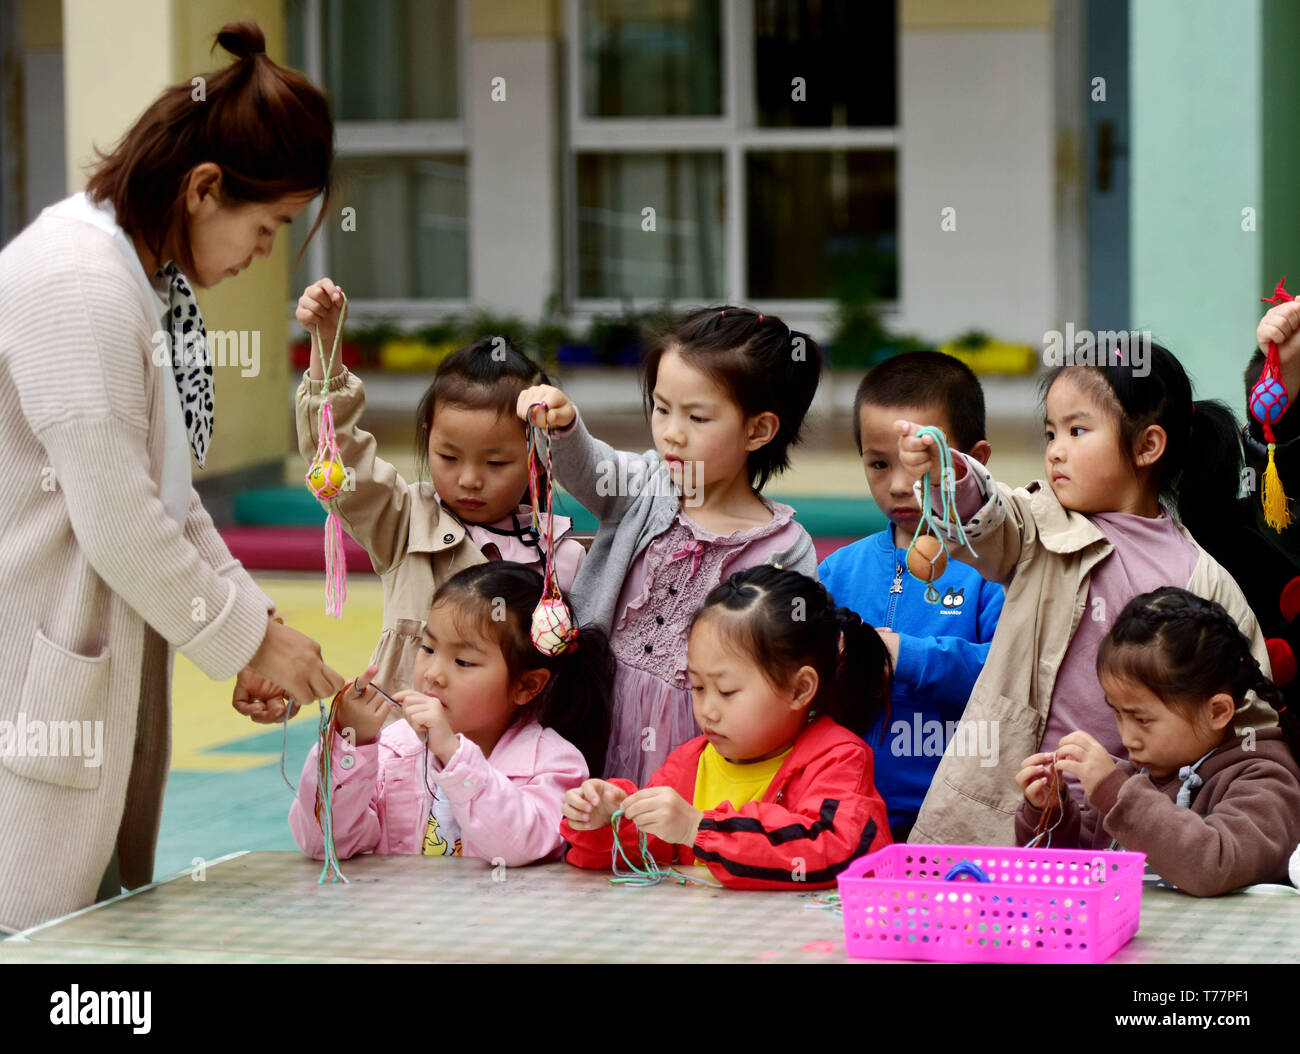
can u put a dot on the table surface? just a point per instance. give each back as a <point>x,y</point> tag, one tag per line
<point>268,907</point>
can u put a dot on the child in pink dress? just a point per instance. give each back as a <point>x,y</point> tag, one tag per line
<point>495,733</point>
<point>727,391</point>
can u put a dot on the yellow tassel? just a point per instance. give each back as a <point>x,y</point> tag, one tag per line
<point>1277,511</point>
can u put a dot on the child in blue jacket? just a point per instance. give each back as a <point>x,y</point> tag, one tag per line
<point>938,648</point>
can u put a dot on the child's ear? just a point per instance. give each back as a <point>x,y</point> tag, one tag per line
<point>1221,711</point>
<point>804,688</point>
<point>761,429</point>
<point>981,452</point>
<point>1149,446</point>
<point>529,685</point>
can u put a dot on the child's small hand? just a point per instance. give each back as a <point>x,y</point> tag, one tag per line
<point>320,305</point>
<point>1035,777</point>
<point>427,715</point>
<point>663,812</point>
<point>890,640</point>
<point>920,454</point>
<point>365,713</point>
<point>591,806</point>
<point>1281,326</point>
<point>1082,756</point>
<point>559,411</point>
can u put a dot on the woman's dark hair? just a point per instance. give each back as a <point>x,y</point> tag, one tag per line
<point>1201,433</point>
<point>759,360</point>
<point>784,620</point>
<point>487,375</point>
<point>268,128</point>
<point>497,600</point>
<point>1186,649</point>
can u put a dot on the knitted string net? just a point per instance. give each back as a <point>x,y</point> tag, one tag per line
<point>553,631</point>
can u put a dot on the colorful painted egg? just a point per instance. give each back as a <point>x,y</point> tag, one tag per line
<point>553,629</point>
<point>326,478</point>
<point>1268,400</point>
<point>927,560</point>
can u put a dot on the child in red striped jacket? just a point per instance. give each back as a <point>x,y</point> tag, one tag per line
<point>777,793</point>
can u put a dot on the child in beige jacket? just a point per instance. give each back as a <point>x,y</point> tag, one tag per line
<point>420,534</point>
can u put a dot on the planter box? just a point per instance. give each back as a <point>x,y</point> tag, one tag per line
<point>413,355</point>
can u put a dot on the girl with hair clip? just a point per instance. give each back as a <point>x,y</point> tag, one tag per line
<point>495,733</point>
<point>1123,443</point>
<point>1211,810</point>
<point>109,388</point>
<point>727,390</point>
<point>777,793</point>
<point>473,507</point>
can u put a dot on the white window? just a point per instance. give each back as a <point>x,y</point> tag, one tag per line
<point>394,73</point>
<point>764,136</point>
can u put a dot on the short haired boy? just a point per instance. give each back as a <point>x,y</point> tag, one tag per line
<point>938,648</point>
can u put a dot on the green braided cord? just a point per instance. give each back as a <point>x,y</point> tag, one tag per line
<point>338,339</point>
<point>651,874</point>
<point>948,498</point>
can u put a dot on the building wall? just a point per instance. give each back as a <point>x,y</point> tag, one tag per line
<point>1199,155</point>
<point>977,137</point>
<point>152,44</point>
<point>42,65</point>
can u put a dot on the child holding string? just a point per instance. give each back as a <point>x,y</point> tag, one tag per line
<point>1210,810</point>
<point>495,732</point>
<point>1072,550</point>
<point>476,506</point>
<point>727,390</point>
<point>778,791</point>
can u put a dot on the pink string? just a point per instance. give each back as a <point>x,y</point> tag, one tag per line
<point>543,507</point>
<point>336,567</point>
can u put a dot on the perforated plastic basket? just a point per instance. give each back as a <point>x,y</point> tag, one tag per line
<point>1039,905</point>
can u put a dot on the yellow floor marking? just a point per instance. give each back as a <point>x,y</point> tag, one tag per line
<point>202,715</point>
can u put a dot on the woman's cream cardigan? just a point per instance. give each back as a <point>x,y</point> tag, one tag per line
<point>107,562</point>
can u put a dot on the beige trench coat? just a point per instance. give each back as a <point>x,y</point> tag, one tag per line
<point>1043,554</point>
<point>414,543</point>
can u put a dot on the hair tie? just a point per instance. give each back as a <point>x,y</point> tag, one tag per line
<point>724,312</point>
<point>760,318</point>
<point>1193,406</point>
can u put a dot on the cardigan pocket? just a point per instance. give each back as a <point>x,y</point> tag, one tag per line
<point>57,734</point>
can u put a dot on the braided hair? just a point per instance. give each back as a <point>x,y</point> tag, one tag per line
<point>785,620</point>
<point>1186,649</point>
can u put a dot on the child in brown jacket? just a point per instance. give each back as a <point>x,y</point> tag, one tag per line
<point>1211,810</point>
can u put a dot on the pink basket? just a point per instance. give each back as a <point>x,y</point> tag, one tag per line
<point>1039,905</point>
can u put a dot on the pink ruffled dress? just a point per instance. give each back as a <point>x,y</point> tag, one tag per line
<point>664,588</point>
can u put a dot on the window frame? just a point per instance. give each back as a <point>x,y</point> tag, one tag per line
<point>380,140</point>
<point>734,134</point>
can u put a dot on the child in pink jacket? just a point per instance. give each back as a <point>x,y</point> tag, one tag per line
<point>488,739</point>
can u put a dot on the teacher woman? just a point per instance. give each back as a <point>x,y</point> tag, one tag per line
<point>108,560</point>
